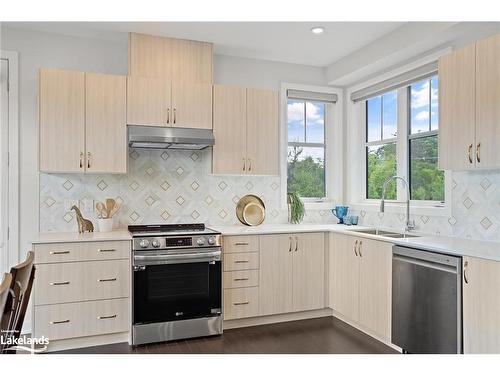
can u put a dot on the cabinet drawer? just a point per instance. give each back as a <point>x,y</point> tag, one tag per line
<point>241,279</point>
<point>82,281</point>
<point>81,251</point>
<point>241,303</point>
<point>239,244</point>
<point>69,320</point>
<point>241,261</point>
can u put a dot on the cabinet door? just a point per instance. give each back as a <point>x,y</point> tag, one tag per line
<point>481,306</point>
<point>344,276</point>
<point>106,123</point>
<point>191,61</point>
<point>262,132</point>
<point>62,120</point>
<point>191,105</point>
<point>488,102</point>
<point>150,56</point>
<point>457,117</point>
<point>309,272</point>
<point>275,274</point>
<point>375,286</point>
<point>230,125</point>
<point>148,101</point>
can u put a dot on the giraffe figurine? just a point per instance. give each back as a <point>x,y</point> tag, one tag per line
<point>84,225</point>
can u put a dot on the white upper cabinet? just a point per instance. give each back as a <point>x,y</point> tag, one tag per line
<point>469,106</point>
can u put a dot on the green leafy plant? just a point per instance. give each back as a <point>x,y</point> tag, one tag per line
<point>295,208</point>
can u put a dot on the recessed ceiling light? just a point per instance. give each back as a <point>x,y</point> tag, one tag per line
<point>318,30</point>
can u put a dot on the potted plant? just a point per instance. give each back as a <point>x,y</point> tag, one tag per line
<point>295,208</point>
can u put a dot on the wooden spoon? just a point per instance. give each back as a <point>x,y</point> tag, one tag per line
<point>110,204</point>
<point>101,209</point>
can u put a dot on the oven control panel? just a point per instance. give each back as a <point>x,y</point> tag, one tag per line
<point>167,242</point>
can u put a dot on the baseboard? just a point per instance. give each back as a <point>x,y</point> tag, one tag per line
<point>278,318</point>
<point>83,342</point>
<point>359,327</point>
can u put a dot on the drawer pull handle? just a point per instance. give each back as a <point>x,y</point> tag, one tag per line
<point>241,279</point>
<point>103,280</point>
<point>106,250</point>
<point>106,317</point>
<point>59,252</point>
<point>241,244</point>
<point>241,261</point>
<point>60,283</point>
<point>241,303</point>
<point>60,321</point>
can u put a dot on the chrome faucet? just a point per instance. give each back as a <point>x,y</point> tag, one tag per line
<point>410,224</point>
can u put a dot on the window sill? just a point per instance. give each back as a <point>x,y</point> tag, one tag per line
<point>318,204</point>
<point>429,208</point>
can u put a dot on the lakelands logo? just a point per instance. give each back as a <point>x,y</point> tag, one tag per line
<point>25,343</point>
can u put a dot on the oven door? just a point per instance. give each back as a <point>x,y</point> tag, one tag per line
<point>176,285</point>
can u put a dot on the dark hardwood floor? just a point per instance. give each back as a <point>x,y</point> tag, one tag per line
<point>312,336</point>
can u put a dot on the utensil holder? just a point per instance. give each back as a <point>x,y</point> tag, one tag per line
<point>105,225</point>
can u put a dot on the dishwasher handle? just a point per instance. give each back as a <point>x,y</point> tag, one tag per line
<point>424,263</point>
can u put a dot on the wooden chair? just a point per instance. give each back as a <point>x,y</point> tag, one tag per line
<point>17,300</point>
<point>4,291</point>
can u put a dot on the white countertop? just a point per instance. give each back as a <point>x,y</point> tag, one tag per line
<point>454,246</point>
<point>449,245</point>
<point>54,237</point>
<point>238,230</point>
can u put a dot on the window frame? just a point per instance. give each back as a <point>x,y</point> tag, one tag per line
<point>333,141</point>
<point>356,191</point>
<point>381,141</point>
<point>413,136</point>
<point>306,144</point>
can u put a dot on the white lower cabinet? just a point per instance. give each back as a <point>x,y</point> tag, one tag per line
<point>360,282</point>
<point>292,273</point>
<point>481,306</point>
<point>81,289</point>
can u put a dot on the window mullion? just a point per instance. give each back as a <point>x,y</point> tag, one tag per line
<point>402,140</point>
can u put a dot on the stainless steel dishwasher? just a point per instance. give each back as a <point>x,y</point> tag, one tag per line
<point>426,301</point>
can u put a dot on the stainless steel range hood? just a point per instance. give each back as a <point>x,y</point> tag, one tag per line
<point>157,137</point>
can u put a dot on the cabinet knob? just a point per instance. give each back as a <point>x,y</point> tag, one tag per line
<point>249,165</point>
<point>354,248</point>
<point>466,265</point>
<point>174,115</point>
<point>168,115</point>
<point>81,159</point>
<point>244,164</point>
<point>469,153</point>
<point>89,156</point>
<point>478,152</point>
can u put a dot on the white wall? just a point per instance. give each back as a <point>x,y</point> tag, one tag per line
<point>40,49</point>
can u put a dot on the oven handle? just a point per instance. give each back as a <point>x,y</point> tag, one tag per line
<point>177,258</point>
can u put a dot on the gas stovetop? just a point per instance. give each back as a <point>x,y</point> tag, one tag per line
<point>173,236</point>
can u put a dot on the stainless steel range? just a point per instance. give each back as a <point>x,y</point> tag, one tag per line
<point>177,282</point>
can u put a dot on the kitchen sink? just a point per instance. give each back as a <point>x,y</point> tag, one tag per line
<point>384,233</point>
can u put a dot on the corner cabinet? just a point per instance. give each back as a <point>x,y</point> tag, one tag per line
<point>360,282</point>
<point>292,272</point>
<point>481,306</point>
<point>82,122</point>
<point>161,102</point>
<point>469,106</point>
<point>246,130</point>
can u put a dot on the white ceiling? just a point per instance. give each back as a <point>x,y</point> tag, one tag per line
<point>290,42</point>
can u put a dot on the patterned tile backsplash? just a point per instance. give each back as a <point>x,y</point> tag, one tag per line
<point>176,186</point>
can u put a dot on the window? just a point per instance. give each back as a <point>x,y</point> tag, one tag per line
<point>381,136</point>
<point>416,138</point>
<point>426,180</point>
<point>306,148</point>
